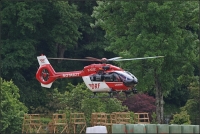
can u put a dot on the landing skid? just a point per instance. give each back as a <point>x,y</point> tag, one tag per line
<point>110,95</point>
<point>102,97</point>
<point>116,94</point>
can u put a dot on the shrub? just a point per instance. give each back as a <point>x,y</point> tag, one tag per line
<point>140,103</point>
<point>12,110</point>
<point>181,118</point>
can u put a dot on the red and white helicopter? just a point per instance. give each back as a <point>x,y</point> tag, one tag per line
<point>101,77</point>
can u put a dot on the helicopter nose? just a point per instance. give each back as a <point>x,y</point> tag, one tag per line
<point>131,83</point>
<point>135,80</point>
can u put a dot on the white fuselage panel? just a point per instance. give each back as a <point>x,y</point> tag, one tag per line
<point>96,86</point>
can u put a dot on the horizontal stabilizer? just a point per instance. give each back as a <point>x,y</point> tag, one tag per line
<point>47,85</point>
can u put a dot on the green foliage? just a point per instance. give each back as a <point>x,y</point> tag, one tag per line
<point>150,25</point>
<point>12,110</point>
<point>65,31</point>
<point>177,97</point>
<point>171,108</point>
<point>154,118</point>
<point>181,118</point>
<point>79,100</point>
<point>132,116</point>
<point>150,28</point>
<point>45,120</point>
<point>192,107</point>
<point>53,28</point>
<point>139,28</point>
<point>30,29</point>
<point>192,104</point>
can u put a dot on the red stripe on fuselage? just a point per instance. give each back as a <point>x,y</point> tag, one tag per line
<point>117,85</point>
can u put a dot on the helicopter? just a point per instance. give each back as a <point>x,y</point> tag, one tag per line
<point>98,78</point>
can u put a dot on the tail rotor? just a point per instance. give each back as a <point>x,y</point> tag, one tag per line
<point>45,75</point>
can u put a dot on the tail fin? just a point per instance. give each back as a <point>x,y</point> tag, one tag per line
<point>45,74</point>
<point>42,60</point>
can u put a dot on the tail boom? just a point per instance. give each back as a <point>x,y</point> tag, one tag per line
<point>46,75</point>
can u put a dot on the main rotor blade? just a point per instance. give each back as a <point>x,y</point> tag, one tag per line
<point>115,58</point>
<point>93,59</point>
<point>70,59</point>
<point>100,60</point>
<point>139,58</point>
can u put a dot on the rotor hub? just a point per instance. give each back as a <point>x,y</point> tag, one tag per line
<point>104,60</point>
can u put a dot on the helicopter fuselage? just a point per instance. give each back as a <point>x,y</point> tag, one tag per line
<point>97,77</point>
<point>107,78</point>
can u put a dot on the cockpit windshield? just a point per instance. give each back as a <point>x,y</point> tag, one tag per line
<point>125,75</point>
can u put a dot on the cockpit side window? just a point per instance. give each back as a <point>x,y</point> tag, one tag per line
<point>122,77</point>
<point>110,77</point>
<point>116,77</point>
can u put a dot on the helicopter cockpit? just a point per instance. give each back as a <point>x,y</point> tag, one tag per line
<point>128,79</point>
<point>118,76</point>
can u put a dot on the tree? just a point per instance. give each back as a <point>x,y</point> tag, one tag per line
<point>92,41</point>
<point>12,110</point>
<point>65,32</point>
<point>53,28</point>
<point>149,28</point>
<point>30,29</point>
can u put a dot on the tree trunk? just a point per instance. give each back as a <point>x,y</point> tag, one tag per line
<point>157,106</point>
<point>159,99</point>
<point>162,108</point>
<point>60,51</point>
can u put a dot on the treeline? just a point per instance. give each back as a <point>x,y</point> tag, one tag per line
<point>77,29</point>
<point>56,29</point>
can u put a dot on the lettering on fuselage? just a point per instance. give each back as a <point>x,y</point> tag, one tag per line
<point>91,69</point>
<point>95,85</point>
<point>42,60</point>
<point>71,75</point>
<point>118,84</point>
